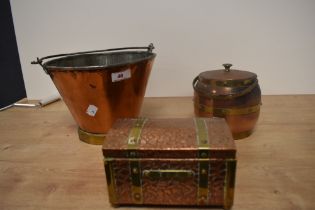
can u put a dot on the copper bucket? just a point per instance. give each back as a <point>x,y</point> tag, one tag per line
<point>100,86</point>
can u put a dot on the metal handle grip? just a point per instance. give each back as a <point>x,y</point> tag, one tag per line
<point>40,60</point>
<point>168,174</point>
<point>227,66</point>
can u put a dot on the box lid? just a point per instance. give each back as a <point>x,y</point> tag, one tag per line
<point>169,138</point>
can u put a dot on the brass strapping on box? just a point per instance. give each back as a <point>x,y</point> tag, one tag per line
<point>203,188</point>
<point>229,183</point>
<point>110,178</point>
<point>133,142</point>
<point>136,182</point>
<point>221,112</point>
<point>203,163</point>
<point>91,138</point>
<point>202,137</point>
<point>135,132</point>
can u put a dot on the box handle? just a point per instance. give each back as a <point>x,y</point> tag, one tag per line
<point>168,174</point>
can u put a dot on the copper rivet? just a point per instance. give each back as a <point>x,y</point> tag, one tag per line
<point>135,170</point>
<point>202,198</point>
<point>137,196</point>
<point>204,155</point>
<point>203,171</point>
<point>132,140</point>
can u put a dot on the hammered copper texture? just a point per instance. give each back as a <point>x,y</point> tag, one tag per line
<point>122,181</point>
<point>216,182</point>
<point>167,138</point>
<point>170,191</point>
<point>169,144</point>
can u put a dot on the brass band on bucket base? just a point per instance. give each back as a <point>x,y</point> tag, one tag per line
<point>91,138</point>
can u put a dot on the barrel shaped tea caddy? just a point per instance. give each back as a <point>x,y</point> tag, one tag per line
<point>231,94</point>
<point>100,86</point>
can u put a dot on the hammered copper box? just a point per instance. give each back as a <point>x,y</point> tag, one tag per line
<point>187,162</point>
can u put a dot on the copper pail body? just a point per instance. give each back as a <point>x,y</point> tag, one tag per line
<point>231,94</point>
<point>100,86</point>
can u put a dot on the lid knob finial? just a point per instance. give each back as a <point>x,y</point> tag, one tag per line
<point>227,66</point>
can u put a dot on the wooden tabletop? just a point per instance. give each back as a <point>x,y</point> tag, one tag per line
<point>43,165</point>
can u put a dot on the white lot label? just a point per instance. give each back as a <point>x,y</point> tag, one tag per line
<point>118,76</point>
<point>91,110</point>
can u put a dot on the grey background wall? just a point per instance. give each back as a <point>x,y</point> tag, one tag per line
<point>273,38</point>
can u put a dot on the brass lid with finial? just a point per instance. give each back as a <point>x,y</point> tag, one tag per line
<point>224,82</point>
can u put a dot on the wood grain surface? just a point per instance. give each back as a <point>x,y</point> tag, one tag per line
<point>43,165</point>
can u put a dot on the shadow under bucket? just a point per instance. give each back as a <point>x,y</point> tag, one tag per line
<point>101,86</point>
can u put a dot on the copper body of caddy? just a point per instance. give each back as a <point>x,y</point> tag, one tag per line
<point>100,86</point>
<point>232,94</point>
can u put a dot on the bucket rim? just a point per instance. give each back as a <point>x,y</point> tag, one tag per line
<point>48,64</point>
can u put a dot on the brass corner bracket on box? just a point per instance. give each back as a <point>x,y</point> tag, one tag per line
<point>91,138</point>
